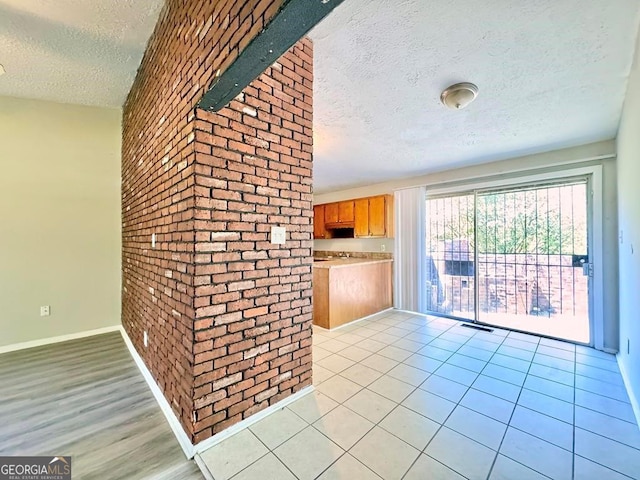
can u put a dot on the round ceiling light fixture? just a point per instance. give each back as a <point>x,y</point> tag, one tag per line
<point>460,95</point>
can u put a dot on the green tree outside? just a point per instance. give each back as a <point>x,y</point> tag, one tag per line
<point>545,221</point>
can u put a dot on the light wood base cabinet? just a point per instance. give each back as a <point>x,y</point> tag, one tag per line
<point>346,292</point>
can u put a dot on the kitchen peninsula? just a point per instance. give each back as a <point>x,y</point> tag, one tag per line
<point>346,289</point>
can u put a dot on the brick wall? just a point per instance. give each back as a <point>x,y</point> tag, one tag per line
<point>228,315</point>
<point>519,284</point>
<point>253,299</point>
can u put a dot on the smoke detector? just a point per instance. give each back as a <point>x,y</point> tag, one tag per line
<point>460,95</point>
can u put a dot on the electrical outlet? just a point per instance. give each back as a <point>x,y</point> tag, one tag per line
<point>45,311</point>
<point>146,339</point>
<point>278,235</point>
<point>383,248</point>
<point>153,240</point>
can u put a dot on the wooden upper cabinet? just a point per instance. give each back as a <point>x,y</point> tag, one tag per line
<point>318,222</point>
<point>331,213</point>
<point>370,217</point>
<point>374,217</point>
<point>378,216</point>
<point>346,211</point>
<point>361,213</point>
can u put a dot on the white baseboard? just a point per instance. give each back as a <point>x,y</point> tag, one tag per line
<point>189,449</point>
<point>635,404</point>
<point>247,422</point>
<point>174,423</point>
<point>412,312</point>
<point>353,322</point>
<point>203,468</point>
<point>58,339</point>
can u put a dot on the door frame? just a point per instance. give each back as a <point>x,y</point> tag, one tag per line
<point>595,220</point>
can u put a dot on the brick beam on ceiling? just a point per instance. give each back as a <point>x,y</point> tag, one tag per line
<point>294,20</point>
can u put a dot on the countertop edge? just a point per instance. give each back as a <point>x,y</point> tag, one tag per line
<point>350,262</point>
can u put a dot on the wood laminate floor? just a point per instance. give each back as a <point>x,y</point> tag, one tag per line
<point>86,398</point>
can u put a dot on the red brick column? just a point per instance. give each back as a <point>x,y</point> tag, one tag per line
<point>227,313</point>
<point>252,298</point>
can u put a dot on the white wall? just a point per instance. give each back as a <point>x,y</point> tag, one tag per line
<point>629,224</point>
<point>355,244</point>
<point>601,153</point>
<point>59,218</point>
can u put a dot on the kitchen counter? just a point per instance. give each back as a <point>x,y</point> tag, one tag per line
<point>347,289</point>
<point>345,262</point>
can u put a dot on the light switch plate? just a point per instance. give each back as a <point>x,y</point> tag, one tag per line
<point>278,235</point>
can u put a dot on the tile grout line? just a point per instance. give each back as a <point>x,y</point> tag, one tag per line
<point>256,460</point>
<point>442,425</point>
<point>422,452</point>
<point>509,423</point>
<point>356,413</point>
<point>308,425</point>
<point>487,363</point>
<point>521,387</point>
<point>449,329</point>
<point>573,446</point>
<point>398,404</point>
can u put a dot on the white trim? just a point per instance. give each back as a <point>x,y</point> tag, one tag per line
<point>174,423</point>
<point>189,449</point>
<point>511,173</point>
<point>415,313</point>
<point>635,404</point>
<point>352,322</point>
<point>596,240</point>
<point>62,338</point>
<point>203,467</point>
<point>514,179</point>
<point>247,422</point>
<point>597,247</point>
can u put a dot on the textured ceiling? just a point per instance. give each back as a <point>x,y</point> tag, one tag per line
<point>551,73</point>
<point>73,51</point>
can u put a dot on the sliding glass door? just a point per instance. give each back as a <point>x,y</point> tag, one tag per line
<point>450,256</point>
<point>513,257</point>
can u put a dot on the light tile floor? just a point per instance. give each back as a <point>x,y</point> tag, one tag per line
<point>402,396</point>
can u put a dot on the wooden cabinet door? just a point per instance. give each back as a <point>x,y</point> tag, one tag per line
<point>331,213</point>
<point>318,222</point>
<point>345,211</point>
<point>377,216</point>
<point>361,218</point>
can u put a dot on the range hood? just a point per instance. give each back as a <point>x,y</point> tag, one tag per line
<point>339,225</point>
<point>340,229</point>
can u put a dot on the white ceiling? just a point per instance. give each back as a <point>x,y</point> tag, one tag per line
<point>551,73</point>
<point>73,51</point>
